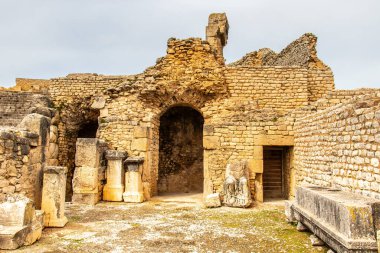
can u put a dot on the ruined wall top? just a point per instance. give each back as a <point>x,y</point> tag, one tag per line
<point>301,52</point>
<point>217,32</point>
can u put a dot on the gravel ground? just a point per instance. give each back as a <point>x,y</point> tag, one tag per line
<point>157,226</point>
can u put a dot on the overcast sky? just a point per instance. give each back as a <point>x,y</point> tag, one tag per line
<point>51,38</point>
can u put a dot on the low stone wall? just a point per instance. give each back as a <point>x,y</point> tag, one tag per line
<point>340,146</point>
<point>23,154</point>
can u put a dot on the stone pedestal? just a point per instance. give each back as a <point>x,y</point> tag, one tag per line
<point>133,182</point>
<point>89,171</point>
<point>53,196</point>
<point>114,188</point>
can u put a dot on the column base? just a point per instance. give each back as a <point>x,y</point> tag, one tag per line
<point>56,223</point>
<point>113,193</point>
<point>133,197</point>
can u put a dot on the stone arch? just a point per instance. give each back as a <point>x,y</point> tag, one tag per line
<point>180,149</point>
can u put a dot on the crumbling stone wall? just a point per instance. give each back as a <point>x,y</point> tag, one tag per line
<point>14,106</point>
<point>340,146</point>
<point>73,97</point>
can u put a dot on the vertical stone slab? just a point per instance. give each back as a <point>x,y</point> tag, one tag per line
<point>114,188</point>
<point>53,196</point>
<point>133,182</point>
<point>89,171</point>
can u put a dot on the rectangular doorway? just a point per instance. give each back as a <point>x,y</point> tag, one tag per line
<point>278,175</point>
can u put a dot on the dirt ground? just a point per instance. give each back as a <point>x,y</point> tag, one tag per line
<point>168,226</point>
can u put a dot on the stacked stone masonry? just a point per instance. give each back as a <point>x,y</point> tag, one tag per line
<point>340,146</point>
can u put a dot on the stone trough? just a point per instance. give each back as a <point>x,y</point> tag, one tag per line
<point>345,221</point>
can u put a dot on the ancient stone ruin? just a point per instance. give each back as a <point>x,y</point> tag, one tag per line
<point>260,128</point>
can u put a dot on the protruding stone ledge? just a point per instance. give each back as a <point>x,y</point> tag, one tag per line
<point>345,221</point>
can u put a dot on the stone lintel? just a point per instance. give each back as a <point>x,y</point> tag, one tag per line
<point>273,140</point>
<point>116,155</point>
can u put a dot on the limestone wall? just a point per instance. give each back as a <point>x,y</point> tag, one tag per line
<point>282,88</point>
<point>340,146</point>
<point>14,106</point>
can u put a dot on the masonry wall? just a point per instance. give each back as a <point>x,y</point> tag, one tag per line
<point>14,106</point>
<point>340,146</point>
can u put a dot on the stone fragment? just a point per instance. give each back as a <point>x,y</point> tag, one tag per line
<point>212,200</point>
<point>236,188</point>
<point>53,196</point>
<point>289,213</point>
<point>99,103</point>
<point>301,227</point>
<point>20,224</point>
<point>315,241</point>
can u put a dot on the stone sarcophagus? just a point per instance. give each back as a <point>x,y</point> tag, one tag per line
<point>345,221</point>
<point>236,187</point>
<point>89,173</point>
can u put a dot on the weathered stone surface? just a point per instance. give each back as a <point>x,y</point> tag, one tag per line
<point>133,183</point>
<point>236,187</point>
<point>347,222</point>
<point>20,224</point>
<point>114,188</point>
<point>315,241</point>
<point>53,196</point>
<point>289,213</point>
<point>212,200</point>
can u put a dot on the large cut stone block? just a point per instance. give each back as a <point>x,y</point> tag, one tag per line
<point>18,211</point>
<point>53,196</point>
<point>20,224</point>
<point>89,152</point>
<point>347,222</point>
<point>211,142</point>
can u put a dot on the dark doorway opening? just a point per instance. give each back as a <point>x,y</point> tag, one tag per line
<point>88,130</point>
<point>278,162</point>
<point>180,167</point>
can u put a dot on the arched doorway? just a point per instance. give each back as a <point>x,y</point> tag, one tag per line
<point>180,167</point>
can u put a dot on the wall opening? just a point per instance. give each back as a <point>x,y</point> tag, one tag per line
<point>180,166</point>
<point>89,129</point>
<point>278,164</point>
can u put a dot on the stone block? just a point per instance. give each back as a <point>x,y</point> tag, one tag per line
<point>255,166</point>
<point>139,144</point>
<point>345,221</point>
<point>273,140</point>
<point>53,196</point>
<point>211,142</point>
<point>37,124</point>
<point>140,132</point>
<point>258,152</point>
<point>88,152</point>
<point>289,213</point>
<point>16,211</point>
<point>99,103</point>
<point>13,237</point>
<point>212,200</point>
<point>85,180</point>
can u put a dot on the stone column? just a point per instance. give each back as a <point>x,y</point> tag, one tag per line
<point>114,188</point>
<point>133,182</point>
<point>53,196</point>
